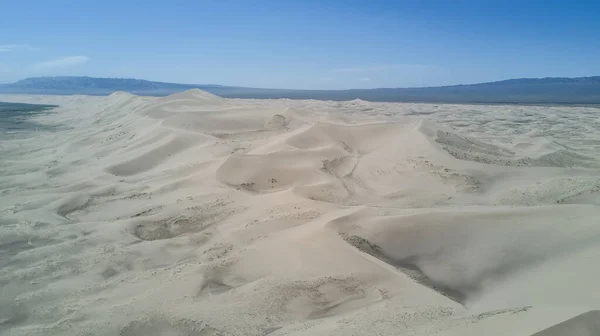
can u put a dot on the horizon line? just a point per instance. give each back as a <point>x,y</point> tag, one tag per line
<point>265,88</point>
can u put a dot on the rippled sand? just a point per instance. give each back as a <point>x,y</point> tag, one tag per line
<point>197,215</point>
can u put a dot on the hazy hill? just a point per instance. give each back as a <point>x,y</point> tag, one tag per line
<point>94,86</point>
<point>582,90</point>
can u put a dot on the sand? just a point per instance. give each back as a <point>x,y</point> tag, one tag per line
<point>196,215</point>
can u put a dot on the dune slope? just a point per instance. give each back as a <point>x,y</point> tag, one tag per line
<point>196,215</point>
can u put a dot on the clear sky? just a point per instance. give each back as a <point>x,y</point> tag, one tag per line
<point>301,43</point>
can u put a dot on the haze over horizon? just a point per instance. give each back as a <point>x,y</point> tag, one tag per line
<point>337,45</point>
<point>299,168</point>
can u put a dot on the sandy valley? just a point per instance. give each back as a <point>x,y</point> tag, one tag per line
<point>197,215</point>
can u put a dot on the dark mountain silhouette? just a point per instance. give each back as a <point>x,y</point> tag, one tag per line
<point>582,90</point>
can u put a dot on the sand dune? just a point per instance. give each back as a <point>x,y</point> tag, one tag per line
<point>586,324</point>
<point>197,215</point>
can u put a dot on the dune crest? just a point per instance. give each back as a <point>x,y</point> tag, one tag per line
<point>192,94</point>
<point>196,215</point>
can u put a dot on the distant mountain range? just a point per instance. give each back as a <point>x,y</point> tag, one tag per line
<point>582,90</point>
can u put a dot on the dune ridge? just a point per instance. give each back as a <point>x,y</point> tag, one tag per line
<point>193,214</point>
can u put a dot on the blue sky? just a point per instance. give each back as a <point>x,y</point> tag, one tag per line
<point>302,43</point>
